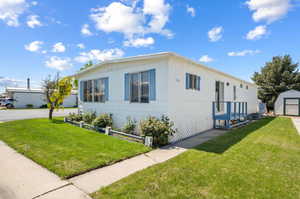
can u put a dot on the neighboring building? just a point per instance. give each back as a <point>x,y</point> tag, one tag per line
<point>157,84</point>
<point>288,103</point>
<point>24,97</point>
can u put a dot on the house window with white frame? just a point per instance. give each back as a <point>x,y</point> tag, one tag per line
<point>192,82</point>
<point>88,91</point>
<point>99,90</point>
<point>139,87</point>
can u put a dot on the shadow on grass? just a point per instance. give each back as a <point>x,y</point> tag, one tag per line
<point>223,143</point>
<point>57,121</point>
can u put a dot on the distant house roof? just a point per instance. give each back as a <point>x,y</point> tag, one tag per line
<point>31,90</point>
<point>155,56</point>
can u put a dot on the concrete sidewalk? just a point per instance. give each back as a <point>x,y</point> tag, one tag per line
<point>296,121</point>
<point>21,178</point>
<point>94,180</point>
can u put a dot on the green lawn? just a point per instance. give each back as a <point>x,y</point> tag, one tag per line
<point>65,149</point>
<point>261,160</point>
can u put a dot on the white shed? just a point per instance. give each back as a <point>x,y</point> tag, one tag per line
<point>288,103</point>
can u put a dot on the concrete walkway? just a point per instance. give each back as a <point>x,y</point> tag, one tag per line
<point>21,178</point>
<point>296,121</point>
<point>94,180</point>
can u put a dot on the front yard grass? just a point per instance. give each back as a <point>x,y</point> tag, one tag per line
<point>65,149</point>
<point>261,160</point>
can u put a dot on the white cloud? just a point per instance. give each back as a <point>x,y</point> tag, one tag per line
<point>133,21</point>
<point>191,10</point>
<point>33,21</point>
<point>159,12</point>
<point>117,17</point>
<point>268,10</point>
<point>59,63</point>
<point>140,42</point>
<point>98,55</point>
<point>81,46</point>
<point>85,30</point>
<point>10,10</point>
<point>34,46</point>
<point>10,82</point>
<point>59,48</point>
<point>243,53</point>
<point>34,3</point>
<point>215,34</point>
<point>206,59</point>
<point>257,33</point>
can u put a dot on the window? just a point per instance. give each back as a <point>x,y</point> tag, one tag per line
<point>219,96</point>
<point>192,82</point>
<point>99,90</point>
<point>87,91</point>
<point>234,93</point>
<point>94,90</point>
<point>139,87</point>
<point>241,85</point>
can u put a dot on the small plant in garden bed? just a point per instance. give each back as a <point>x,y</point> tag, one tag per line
<point>89,117</point>
<point>74,117</point>
<point>103,121</point>
<point>160,129</point>
<point>130,126</point>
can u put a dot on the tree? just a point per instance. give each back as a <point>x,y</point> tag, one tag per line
<point>87,65</point>
<point>56,90</point>
<point>277,76</point>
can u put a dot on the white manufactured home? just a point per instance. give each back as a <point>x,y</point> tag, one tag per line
<point>163,84</point>
<point>24,97</point>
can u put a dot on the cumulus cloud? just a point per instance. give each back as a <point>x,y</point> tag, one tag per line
<point>268,10</point>
<point>98,55</point>
<point>33,21</point>
<point>10,10</point>
<point>215,34</point>
<point>59,63</point>
<point>85,30</point>
<point>34,46</point>
<point>140,42</point>
<point>243,53</point>
<point>191,10</point>
<point>132,21</point>
<point>206,59</point>
<point>81,46</point>
<point>257,33</point>
<point>59,48</point>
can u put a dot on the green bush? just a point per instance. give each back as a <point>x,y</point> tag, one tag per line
<point>129,126</point>
<point>75,117</point>
<point>44,106</point>
<point>103,121</point>
<point>159,129</point>
<point>89,117</point>
<point>29,105</point>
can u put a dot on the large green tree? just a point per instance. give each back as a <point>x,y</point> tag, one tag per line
<point>276,76</point>
<point>56,90</point>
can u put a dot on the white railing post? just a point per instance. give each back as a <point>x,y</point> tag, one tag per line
<point>107,130</point>
<point>81,124</point>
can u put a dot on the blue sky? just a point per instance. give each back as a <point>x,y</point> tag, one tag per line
<point>237,36</point>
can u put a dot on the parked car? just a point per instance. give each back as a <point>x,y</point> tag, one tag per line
<point>8,103</point>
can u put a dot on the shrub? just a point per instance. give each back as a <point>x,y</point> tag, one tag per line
<point>44,106</point>
<point>88,117</point>
<point>29,105</point>
<point>129,126</point>
<point>75,117</point>
<point>159,129</point>
<point>103,121</point>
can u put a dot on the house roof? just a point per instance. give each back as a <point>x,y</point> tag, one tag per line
<point>155,56</point>
<point>26,90</point>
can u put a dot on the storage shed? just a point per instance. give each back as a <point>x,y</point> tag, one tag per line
<point>288,103</point>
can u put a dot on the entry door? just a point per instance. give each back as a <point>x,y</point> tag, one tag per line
<point>219,96</point>
<point>291,106</point>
